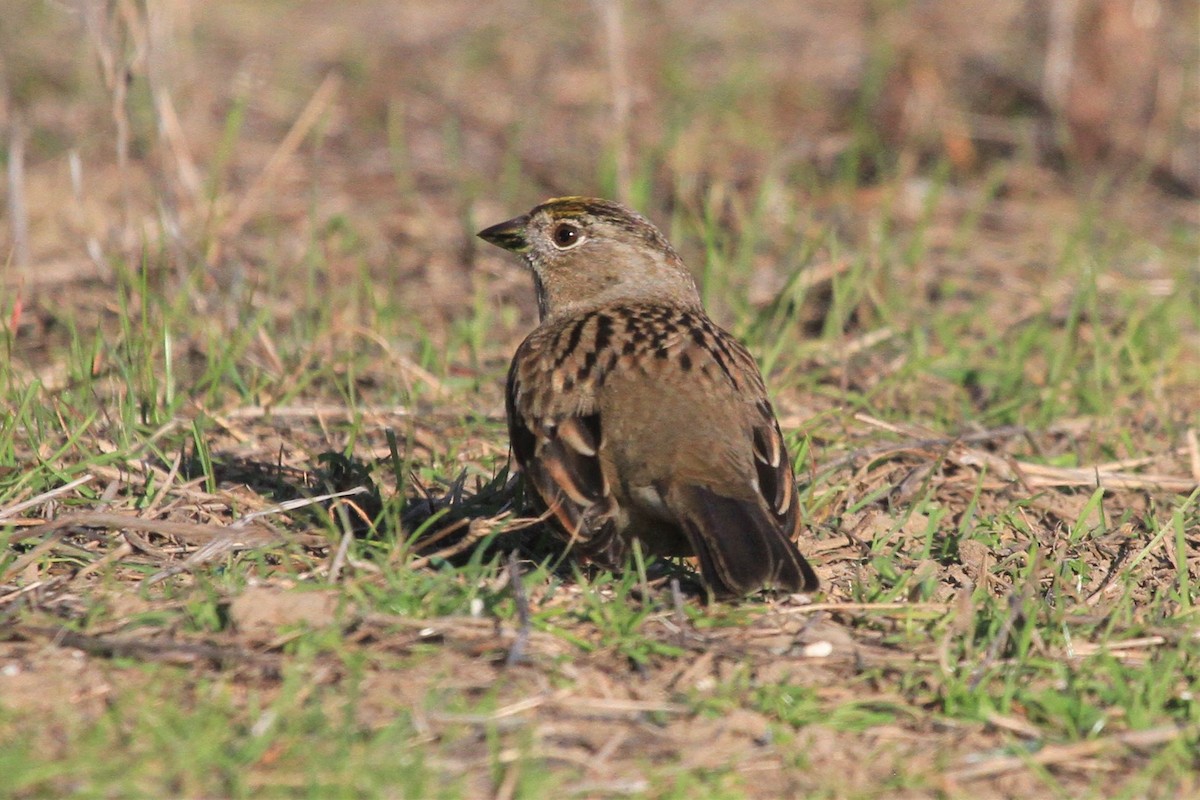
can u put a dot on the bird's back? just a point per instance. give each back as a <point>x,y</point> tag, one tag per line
<point>688,450</point>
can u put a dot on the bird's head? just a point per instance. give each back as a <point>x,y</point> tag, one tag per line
<point>586,253</point>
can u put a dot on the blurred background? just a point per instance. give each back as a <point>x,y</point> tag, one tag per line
<point>261,157</point>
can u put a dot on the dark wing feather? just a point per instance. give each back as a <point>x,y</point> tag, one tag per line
<point>559,457</point>
<point>521,438</point>
<point>774,471</point>
<point>777,483</point>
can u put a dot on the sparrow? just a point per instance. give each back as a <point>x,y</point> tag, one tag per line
<point>632,415</point>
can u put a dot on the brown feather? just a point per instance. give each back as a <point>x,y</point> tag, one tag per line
<point>741,549</point>
<point>633,415</point>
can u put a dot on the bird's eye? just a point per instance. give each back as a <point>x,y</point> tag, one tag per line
<point>565,235</point>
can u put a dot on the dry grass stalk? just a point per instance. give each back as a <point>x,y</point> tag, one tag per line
<point>1065,753</point>
<point>251,202</point>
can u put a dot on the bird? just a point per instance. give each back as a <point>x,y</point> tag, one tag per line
<point>632,415</point>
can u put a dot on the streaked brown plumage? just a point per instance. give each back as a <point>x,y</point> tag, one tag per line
<point>632,414</point>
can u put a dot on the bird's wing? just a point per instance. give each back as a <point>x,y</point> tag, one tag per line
<point>773,469</point>
<point>555,431</point>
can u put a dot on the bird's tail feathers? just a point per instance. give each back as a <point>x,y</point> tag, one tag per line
<point>740,546</point>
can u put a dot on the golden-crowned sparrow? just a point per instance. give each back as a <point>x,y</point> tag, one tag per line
<point>632,415</point>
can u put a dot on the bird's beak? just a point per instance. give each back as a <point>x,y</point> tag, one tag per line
<point>510,235</point>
